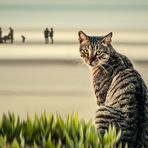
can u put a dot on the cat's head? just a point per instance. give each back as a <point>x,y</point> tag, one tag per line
<point>95,50</point>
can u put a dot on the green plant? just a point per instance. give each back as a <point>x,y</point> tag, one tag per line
<point>50,131</point>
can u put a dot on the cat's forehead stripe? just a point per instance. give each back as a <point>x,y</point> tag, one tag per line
<point>94,39</point>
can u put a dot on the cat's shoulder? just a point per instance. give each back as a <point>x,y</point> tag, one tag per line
<point>125,60</point>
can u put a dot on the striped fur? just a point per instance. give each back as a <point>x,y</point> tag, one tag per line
<point>121,93</point>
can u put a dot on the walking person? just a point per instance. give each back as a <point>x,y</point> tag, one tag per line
<point>46,35</point>
<point>51,35</point>
<point>23,38</point>
<point>11,34</point>
<point>1,35</point>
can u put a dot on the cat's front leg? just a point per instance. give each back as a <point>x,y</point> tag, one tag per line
<point>101,86</point>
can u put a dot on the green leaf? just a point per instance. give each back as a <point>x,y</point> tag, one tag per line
<point>48,143</point>
<point>76,121</point>
<point>35,145</point>
<point>69,142</point>
<point>3,141</point>
<point>81,133</point>
<point>22,143</point>
<point>47,131</point>
<point>15,144</point>
<point>118,136</point>
<point>7,127</point>
<point>17,128</point>
<point>29,129</point>
<point>60,121</point>
<point>126,146</point>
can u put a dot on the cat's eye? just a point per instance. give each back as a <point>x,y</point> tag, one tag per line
<point>85,51</point>
<point>98,52</point>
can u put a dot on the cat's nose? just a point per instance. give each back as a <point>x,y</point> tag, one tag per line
<point>91,60</point>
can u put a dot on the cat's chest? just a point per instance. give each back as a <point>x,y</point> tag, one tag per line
<point>101,84</point>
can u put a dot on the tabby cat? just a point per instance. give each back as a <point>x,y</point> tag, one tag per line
<point>121,93</point>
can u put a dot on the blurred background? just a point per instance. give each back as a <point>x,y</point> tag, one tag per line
<point>38,77</point>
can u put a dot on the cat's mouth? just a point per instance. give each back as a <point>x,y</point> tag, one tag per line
<point>92,61</point>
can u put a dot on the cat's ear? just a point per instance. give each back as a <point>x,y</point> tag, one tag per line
<point>83,38</point>
<point>107,39</point>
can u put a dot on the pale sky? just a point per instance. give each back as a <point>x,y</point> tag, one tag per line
<point>73,1</point>
<point>74,13</point>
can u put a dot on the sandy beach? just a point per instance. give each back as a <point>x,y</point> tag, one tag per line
<point>51,87</point>
<point>36,77</point>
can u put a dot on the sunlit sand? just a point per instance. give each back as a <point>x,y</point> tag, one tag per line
<point>36,77</point>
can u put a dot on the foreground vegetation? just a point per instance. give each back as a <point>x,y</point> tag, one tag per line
<point>50,131</point>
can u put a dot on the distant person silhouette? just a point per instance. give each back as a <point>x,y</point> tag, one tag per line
<point>23,38</point>
<point>11,34</point>
<point>1,35</point>
<point>46,35</point>
<point>51,35</point>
